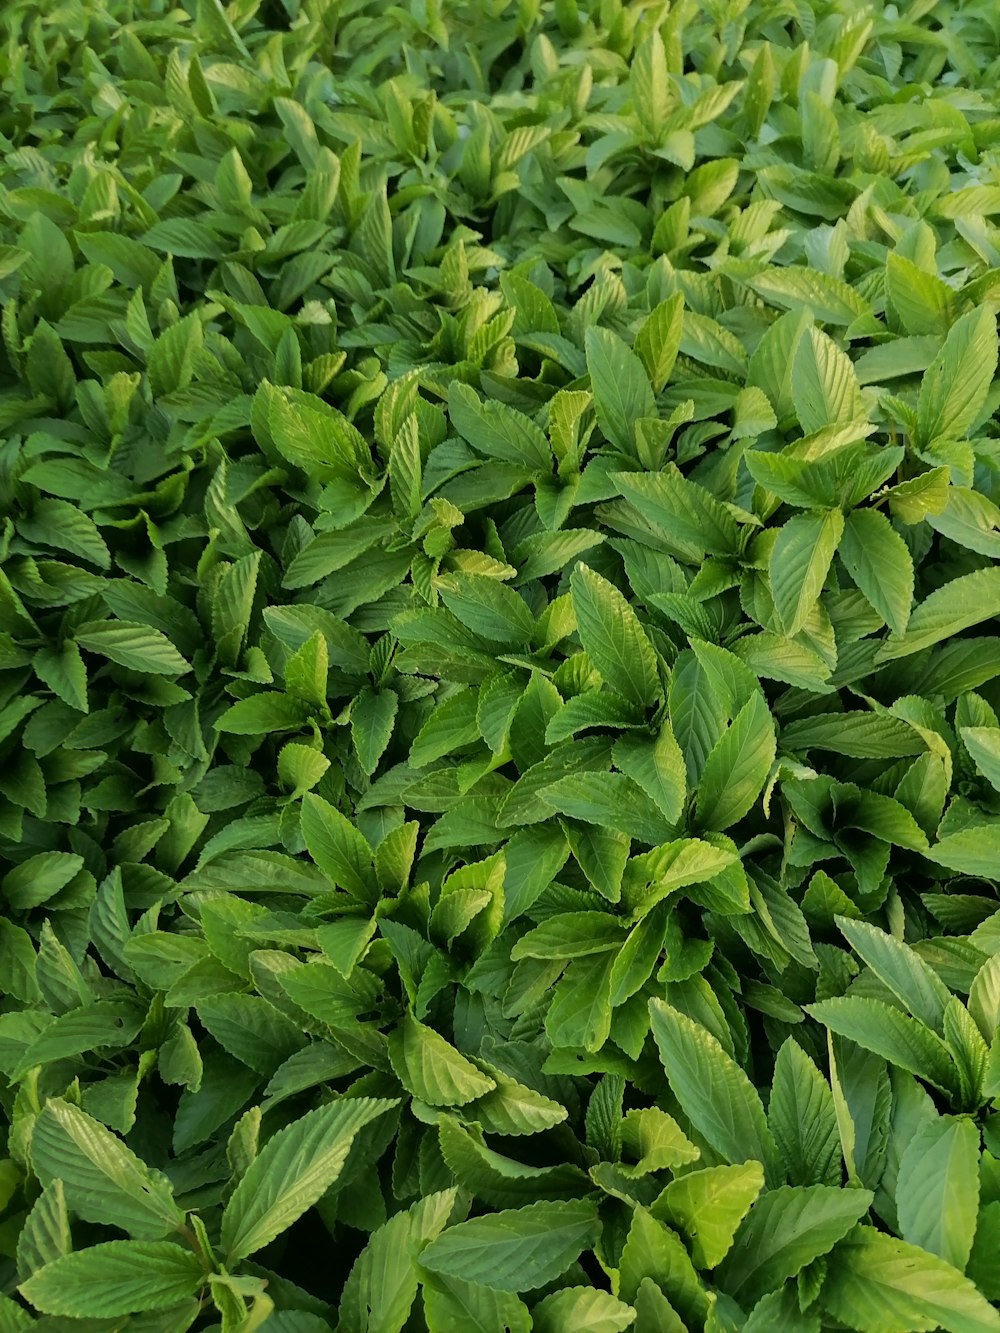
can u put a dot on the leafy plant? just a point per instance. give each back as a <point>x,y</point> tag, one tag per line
<point>499,743</point>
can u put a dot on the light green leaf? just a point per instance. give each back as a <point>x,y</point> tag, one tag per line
<point>737,768</point>
<point>879,562</point>
<point>581,1310</point>
<point>983,744</point>
<point>338,848</point>
<point>487,607</point>
<point>792,287</point>
<point>973,851</point>
<point>614,639</point>
<point>954,387</point>
<point>653,1252</point>
<point>104,1181</point>
<point>713,1091</point>
<point>800,562</point>
<point>498,431</point>
<point>114,1278</point>
<point>454,1306</point>
<point>708,1205</point>
<point>621,390</point>
<point>883,1029</point>
<point>382,1284</point>
<point>137,647</point>
<point>900,968</point>
<point>63,670</point>
<point>657,767</point>
<point>430,1068</point>
<point>679,508</point>
<point>787,1229</point>
<point>655,1140</point>
<point>984,998</point>
<point>373,715</point>
<point>261,714</point>
<point>293,1169</point>
<point>803,1120</point>
<point>659,338</point>
<point>937,1189</point>
<point>518,1249</point>
<point>824,385</point>
<point>879,1284</point>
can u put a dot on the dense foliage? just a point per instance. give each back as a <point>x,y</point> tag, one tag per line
<point>499,659</point>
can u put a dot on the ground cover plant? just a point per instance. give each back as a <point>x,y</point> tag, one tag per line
<point>499,657</point>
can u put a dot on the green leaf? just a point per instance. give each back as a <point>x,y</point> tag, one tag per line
<point>261,714</point>
<point>800,562</point>
<point>650,85</point>
<point>581,1310</point>
<point>697,711</point>
<point>487,607</point>
<point>611,801</point>
<point>657,767</point>
<point>923,302</point>
<point>292,1171</point>
<point>737,767</point>
<point>454,1306</point>
<point>136,647</point>
<point>681,511</point>
<point>983,744</point>
<point>430,1068</point>
<point>954,388</point>
<point>502,1181</point>
<point>580,1012</point>
<point>250,1028</point>
<point>65,673</point>
<point>879,1284</point>
<point>570,935</point>
<point>881,1028</point>
<point>879,562</point>
<point>116,1277</point>
<point>382,1284</point>
<point>859,735</point>
<point>338,848</point>
<point>824,385</point>
<point>713,1091</point>
<point>39,878</point>
<point>373,716</point>
<point>498,431</point>
<point>104,1180</point>
<point>787,1229</point>
<point>613,638</point>
<point>621,390</point>
<point>103,1024</point>
<point>937,1189</point>
<point>518,1249</point>
<point>803,1120</point>
<point>900,968</point>
<point>659,338</point>
<point>708,1205</point>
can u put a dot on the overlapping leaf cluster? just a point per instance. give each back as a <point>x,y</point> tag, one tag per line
<point>499,584</point>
